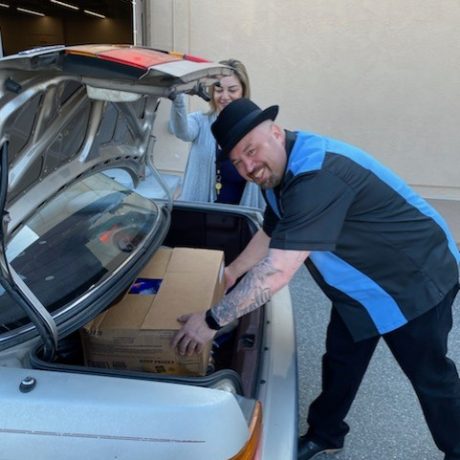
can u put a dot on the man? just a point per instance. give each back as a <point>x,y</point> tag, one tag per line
<point>384,257</point>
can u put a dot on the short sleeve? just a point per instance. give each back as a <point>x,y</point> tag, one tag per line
<point>314,207</point>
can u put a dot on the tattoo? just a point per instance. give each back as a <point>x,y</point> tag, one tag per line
<point>250,293</point>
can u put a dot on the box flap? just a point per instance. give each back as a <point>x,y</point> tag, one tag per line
<point>191,260</point>
<point>193,295</point>
<point>156,266</point>
<point>192,283</point>
<point>127,314</point>
<point>130,311</point>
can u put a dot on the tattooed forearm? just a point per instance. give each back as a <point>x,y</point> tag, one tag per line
<point>251,293</point>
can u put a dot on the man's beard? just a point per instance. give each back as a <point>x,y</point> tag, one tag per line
<point>272,181</point>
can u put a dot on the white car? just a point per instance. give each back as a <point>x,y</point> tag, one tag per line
<point>71,118</point>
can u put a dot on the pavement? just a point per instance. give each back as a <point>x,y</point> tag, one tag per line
<point>386,420</point>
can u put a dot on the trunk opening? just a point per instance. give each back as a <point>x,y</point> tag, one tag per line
<point>237,353</point>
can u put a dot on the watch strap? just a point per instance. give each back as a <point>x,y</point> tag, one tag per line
<point>211,321</point>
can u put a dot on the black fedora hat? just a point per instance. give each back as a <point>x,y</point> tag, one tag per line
<point>236,120</point>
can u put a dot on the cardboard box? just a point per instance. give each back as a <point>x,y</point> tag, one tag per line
<point>136,332</point>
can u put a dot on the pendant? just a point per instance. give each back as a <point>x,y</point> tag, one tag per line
<point>218,187</point>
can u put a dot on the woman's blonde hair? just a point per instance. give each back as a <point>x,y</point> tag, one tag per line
<point>239,70</point>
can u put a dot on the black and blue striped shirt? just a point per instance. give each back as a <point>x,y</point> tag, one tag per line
<point>379,251</point>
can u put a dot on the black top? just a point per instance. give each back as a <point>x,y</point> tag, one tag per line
<point>231,183</point>
<point>380,252</point>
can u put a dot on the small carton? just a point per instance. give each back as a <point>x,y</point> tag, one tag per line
<point>136,332</point>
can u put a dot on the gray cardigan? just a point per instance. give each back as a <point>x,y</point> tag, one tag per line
<point>200,172</point>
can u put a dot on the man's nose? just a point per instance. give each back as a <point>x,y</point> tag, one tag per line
<point>248,166</point>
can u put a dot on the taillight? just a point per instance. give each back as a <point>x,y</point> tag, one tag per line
<point>188,57</point>
<point>251,450</point>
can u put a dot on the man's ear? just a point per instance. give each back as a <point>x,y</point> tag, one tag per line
<point>278,132</point>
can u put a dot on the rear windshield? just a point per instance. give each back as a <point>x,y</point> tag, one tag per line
<point>75,242</point>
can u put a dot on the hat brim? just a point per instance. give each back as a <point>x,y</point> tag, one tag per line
<point>244,126</point>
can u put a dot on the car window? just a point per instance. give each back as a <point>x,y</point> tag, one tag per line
<point>75,241</point>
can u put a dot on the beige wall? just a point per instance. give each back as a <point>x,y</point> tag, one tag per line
<point>383,75</point>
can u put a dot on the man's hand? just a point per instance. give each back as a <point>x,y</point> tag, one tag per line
<point>193,334</point>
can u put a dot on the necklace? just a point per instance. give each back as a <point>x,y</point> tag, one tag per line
<point>218,184</point>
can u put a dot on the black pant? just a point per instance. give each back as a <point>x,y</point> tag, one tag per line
<point>420,348</point>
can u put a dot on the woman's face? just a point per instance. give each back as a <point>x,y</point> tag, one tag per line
<point>227,90</point>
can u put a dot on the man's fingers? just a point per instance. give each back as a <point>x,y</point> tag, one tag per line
<point>192,335</point>
<point>187,346</point>
<point>177,338</point>
<point>194,347</point>
<point>184,345</point>
<point>190,348</point>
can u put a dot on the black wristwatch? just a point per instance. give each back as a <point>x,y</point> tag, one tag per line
<point>211,321</point>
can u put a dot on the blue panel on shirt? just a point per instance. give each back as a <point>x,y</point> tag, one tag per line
<point>382,308</point>
<point>272,201</point>
<point>308,155</point>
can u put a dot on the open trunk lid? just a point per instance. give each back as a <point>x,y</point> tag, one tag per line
<point>69,112</point>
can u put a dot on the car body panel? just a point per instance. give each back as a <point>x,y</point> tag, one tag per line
<point>114,418</point>
<point>279,376</point>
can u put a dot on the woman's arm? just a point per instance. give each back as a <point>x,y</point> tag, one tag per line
<point>184,126</point>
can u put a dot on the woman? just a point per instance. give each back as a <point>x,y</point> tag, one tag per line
<point>204,178</point>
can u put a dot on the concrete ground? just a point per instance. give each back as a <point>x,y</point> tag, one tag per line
<point>386,420</point>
